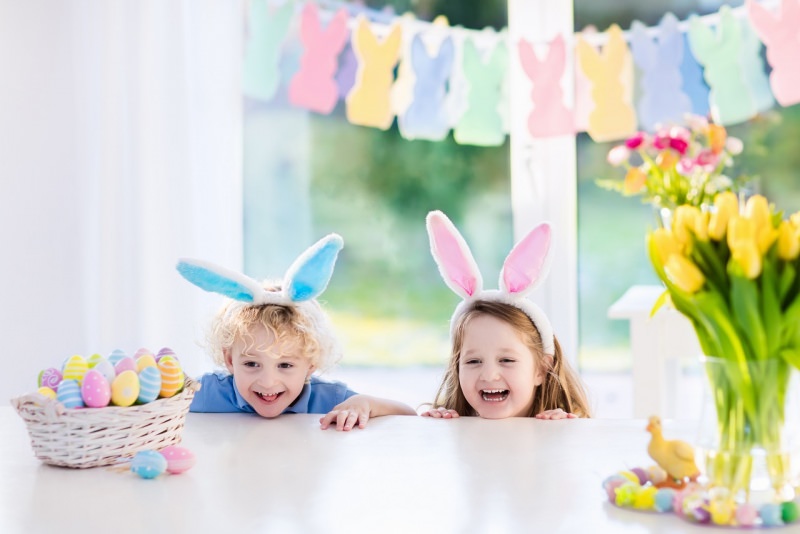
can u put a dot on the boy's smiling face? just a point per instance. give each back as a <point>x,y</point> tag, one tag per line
<point>269,375</point>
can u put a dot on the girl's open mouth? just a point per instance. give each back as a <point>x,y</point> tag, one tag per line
<point>494,395</point>
<point>269,398</point>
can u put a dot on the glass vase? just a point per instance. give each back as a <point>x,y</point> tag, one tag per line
<point>747,446</point>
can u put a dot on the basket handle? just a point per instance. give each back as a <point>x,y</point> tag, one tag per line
<point>52,408</point>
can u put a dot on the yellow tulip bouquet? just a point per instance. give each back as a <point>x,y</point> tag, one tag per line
<point>734,274</point>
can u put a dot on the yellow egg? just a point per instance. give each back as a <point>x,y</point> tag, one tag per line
<point>47,392</point>
<point>94,359</point>
<point>145,360</point>
<point>171,378</point>
<point>75,368</point>
<point>125,388</point>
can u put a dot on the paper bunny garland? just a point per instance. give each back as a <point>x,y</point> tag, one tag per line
<point>305,279</point>
<point>523,269</point>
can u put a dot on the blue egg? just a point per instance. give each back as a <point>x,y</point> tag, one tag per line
<point>771,515</point>
<point>69,394</point>
<point>664,499</point>
<point>149,384</point>
<point>116,355</point>
<point>148,464</point>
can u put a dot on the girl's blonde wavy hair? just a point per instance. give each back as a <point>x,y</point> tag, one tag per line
<point>304,323</point>
<point>561,388</point>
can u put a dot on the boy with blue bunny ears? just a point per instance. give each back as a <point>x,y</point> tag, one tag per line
<point>271,338</point>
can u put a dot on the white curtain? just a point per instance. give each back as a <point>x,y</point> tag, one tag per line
<point>120,151</point>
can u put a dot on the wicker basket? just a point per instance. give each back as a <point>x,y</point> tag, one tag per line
<point>93,437</point>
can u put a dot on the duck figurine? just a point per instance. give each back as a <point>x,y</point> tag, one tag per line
<point>673,456</point>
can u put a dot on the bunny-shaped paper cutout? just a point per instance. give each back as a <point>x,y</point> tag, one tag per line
<point>481,123</point>
<point>313,86</point>
<point>523,270</point>
<point>781,35</point>
<point>267,30</point>
<point>753,68</point>
<point>426,116</point>
<point>694,86</point>
<point>549,117</point>
<point>346,75</point>
<point>613,116</point>
<point>368,103</point>
<point>720,54</point>
<point>305,279</point>
<point>662,99</point>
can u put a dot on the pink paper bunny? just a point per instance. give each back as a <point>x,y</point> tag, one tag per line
<point>549,117</point>
<point>314,86</point>
<point>781,35</point>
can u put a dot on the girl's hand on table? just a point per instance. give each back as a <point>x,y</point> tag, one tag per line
<point>440,413</point>
<point>558,413</point>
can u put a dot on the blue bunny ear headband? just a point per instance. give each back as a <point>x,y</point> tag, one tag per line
<point>305,279</point>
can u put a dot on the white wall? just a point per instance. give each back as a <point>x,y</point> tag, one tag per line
<point>120,150</point>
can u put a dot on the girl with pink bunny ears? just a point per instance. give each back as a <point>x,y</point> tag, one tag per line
<point>505,360</point>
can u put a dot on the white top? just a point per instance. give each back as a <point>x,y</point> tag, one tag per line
<point>403,474</point>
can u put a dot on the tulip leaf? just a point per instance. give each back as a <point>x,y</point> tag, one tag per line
<point>786,282</point>
<point>770,308</point>
<point>746,311</point>
<point>792,357</point>
<point>662,299</point>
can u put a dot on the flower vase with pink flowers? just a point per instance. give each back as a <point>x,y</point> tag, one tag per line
<point>676,165</point>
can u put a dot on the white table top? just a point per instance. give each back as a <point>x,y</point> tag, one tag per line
<point>409,475</point>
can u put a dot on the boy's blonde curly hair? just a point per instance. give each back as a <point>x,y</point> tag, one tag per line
<point>305,323</point>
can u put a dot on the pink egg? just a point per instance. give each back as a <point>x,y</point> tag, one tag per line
<point>141,352</point>
<point>746,515</point>
<point>125,364</point>
<point>95,389</point>
<point>179,459</point>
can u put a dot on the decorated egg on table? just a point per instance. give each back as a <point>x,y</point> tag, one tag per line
<point>141,352</point>
<point>50,378</point>
<point>664,499</point>
<point>179,459</point>
<point>148,464</point>
<point>125,364</point>
<point>69,394</point>
<point>746,515</point>
<point>95,390</point>
<point>146,360</point>
<point>47,392</point>
<point>771,514</point>
<point>171,377</point>
<point>149,384</point>
<point>75,368</point>
<point>93,360</point>
<point>125,388</point>
<point>116,355</point>
<point>105,368</point>
<point>166,351</point>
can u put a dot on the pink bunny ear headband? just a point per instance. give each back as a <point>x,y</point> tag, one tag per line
<point>524,268</point>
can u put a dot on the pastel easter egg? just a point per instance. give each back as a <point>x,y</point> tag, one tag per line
<point>171,375</point>
<point>116,355</point>
<point>69,394</point>
<point>125,388</point>
<point>95,390</point>
<point>93,360</point>
<point>630,475</point>
<point>148,464</point>
<point>149,384</point>
<point>746,515</point>
<point>146,360</point>
<point>626,493</point>
<point>50,378</point>
<point>664,499</point>
<point>610,484</point>
<point>75,367</point>
<point>106,369</point>
<point>125,364</point>
<point>141,352</point>
<point>641,474</point>
<point>165,351</point>
<point>771,514</point>
<point>646,498</point>
<point>47,392</point>
<point>722,510</point>
<point>656,474</point>
<point>179,459</point>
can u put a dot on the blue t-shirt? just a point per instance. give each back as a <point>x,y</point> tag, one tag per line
<point>218,393</point>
